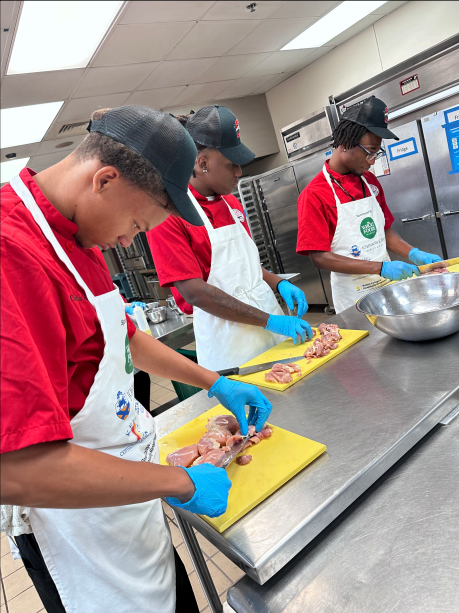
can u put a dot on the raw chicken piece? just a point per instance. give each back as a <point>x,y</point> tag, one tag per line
<point>183,457</point>
<point>236,438</point>
<point>207,443</point>
<point>242,460</point>
<point>330,329</point>
<point>329,341</point>
<point>317,350</point>
<point>247,445</point>
<point>252,431</point>
<point>255,440</point>
<point>221,435</point>
<point>282,373</point>
<point>436,271</point>
<point>215,457</point>
<point>223,421</point>
<point>265,433</point>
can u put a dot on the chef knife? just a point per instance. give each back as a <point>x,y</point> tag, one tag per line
<point>249,370</point>
<point>235,450</point>
<point>442,264</point>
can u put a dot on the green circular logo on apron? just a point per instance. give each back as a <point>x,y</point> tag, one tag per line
<point>368,228</point>
<point>128,366</point>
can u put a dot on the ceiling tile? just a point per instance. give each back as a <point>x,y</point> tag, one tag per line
<point>6,13</point>
<point>353,30</point>
<point>239,10</point>
<point>154,12</point>
<point>271,35</point>
<point>272,83</point>
<point>23,151</point>
<point>132,44</point>
<point>178,72</point>
<point>81,109</point>
<point>38,87</point>
<point>304,9</point>
<point>155,98</point>
<point>388,7</point>
<point>199,93</point>
<point>212,39</point>
<point>113,79</point>
<point>243,87</point>
<point>316,54</point>
<point>232,67</point>
<point>55,145</point>
<point>48,159</point>
<point>280,61</point>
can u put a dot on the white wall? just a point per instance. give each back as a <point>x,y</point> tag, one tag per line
<point>407,31</point>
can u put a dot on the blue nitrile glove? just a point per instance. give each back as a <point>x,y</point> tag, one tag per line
<point>290,326</point>
<point>290,293</point>
<point>129,308</point>
<point>211,495</point>
<point>396,271</point>
<point>234,395</point>
<point>421,257</point>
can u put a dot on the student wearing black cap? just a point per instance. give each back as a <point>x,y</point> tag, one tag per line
<point>214,270</point>
<point>81,481</point>
<point>344,223</point>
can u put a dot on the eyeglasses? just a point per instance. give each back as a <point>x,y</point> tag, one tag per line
<point>371,155</point>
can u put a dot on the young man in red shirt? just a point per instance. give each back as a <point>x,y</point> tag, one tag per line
<point>215,270</point>
<point>344,223</point>
<point>87,520</point>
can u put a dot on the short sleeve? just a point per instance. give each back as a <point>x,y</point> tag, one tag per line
<point>34,392</point>
<point>313,227</point>
<point>172,253</point>
<point>389,218</point>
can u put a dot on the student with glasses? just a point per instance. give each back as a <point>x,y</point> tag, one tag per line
<point>344,223</point>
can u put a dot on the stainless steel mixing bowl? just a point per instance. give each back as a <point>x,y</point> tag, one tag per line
<point>419,309</point>
<point>157,315</point>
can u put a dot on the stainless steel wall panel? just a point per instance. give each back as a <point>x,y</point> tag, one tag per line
<point>446,184</point>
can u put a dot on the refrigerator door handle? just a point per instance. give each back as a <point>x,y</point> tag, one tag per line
<point>423,218</point>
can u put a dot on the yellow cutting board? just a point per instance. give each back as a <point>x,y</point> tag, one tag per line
<point>274,461</point>
<point>288,349</point>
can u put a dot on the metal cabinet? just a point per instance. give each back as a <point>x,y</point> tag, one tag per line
<point>407,191</point>
<point>446,181</point>
<point>280,193</point>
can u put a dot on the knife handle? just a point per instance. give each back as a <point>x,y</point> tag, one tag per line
<point>228,371</point>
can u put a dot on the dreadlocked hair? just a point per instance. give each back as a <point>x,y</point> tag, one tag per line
<point>348,134</point>
<point>133,167</point>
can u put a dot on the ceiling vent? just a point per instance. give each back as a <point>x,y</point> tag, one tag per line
<point>74,129</point>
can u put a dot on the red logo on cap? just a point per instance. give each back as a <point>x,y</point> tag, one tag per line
<point>236,127</point>
<point>386,118</point>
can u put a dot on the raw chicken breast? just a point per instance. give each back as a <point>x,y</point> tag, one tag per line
<point>215,457</point>
<point>223,421</point>
<point>242,460</point>
<point>183,457</point>
<point>206,443</point>
<point>282,373</point>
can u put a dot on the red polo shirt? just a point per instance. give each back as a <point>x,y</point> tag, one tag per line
<point>182,251</point>
<point>51,339</point>
<point>317,212</point>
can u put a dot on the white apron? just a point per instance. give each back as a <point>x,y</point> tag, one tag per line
<point>235,269</point>
<point>360,234</point>
<point>117,559</point>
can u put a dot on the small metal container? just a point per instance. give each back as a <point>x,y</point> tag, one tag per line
<point>419,309</point>
<point>150,306</point>
<point>157,315</point>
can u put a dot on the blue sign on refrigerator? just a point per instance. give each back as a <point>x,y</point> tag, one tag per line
<point>452,136</point>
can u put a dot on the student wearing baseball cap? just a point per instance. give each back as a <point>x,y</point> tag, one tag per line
<point>344,223</point>
<point>214,269</point>
<point>81,481</point>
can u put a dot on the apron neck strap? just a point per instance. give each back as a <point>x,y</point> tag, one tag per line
<point>232,213</point>
<point>327,178</point>
<point>200,211</point>
<point>29,202</point>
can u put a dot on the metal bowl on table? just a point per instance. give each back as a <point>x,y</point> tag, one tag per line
<point>157,315</point>
<point>419,309</point>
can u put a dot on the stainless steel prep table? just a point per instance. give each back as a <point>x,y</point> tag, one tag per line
<point>369,405</point>
<point>396,549</point>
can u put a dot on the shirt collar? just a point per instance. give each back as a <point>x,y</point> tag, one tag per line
<point>337,176</point>
<point>202,199</point>
<point>56,220</point>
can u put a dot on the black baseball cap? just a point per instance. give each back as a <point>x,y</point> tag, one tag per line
<point>162,141</point>
<point>372,114</point>
<point>217,127</point>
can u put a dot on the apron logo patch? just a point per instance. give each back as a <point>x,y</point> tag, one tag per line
<point>128,365</point>
<point>368,228</point>
<point>123,406</point>
<point>239,215</point>
<point>355,251</point>
<point>374,189</point>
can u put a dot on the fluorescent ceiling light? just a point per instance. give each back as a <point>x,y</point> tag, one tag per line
<point>446,93</point>
<point>333,23</point>
<point>59,35</point>
<point>8,170</point>
<point>22,125</point>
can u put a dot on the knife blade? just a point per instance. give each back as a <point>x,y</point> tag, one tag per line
<point>443,264</point>
<point>249,370</point>
<point>235,450</point>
